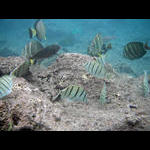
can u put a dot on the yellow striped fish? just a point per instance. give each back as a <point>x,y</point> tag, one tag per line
<point>96,45</point>
<point>74,92</point>
<point>96,69</point>
<point>6,85</point>
<point>134,50</point>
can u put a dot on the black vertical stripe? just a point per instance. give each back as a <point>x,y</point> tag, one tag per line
<point>4,85</point>
<point>89,65</point>
<point>70,91</point>
<point>81,93</point>
<point>5,79</point>
<point>136,49</point>
<point>129,53</point>
<point>66,91</point>
<point>84,97</point>
<point>92,67</point>
<point>97,69</point>
<point>100,69</point>
<point>76,92</point>
<point>2,89</point>
<point>132,50</point>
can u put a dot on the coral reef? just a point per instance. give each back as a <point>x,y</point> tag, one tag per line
<point>7,64</point>
<point>30,105</point>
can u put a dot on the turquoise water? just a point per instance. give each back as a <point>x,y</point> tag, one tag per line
<point>80,32</point>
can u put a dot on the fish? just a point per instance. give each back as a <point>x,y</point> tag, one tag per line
<point>98,68</point>
<point>134,50</point>
<point>23,69</point>
<point>32,33</point>
<point>6,85</point>
<point>145,84</point>
<point>32,48</point>
<point>47,52</point>
<point>40,30</point>
<point>95,68</point>
<point>101,58</point>
<point>74,92</point>
<point>103,95</point>
<point>96,45</point>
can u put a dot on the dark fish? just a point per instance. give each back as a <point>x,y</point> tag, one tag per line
<point>47,52</point>
<point>6,85</point>
<point>134,50</point>
<point>40,30</point>
<point>23,69</point>
<point>31,49</point>
<point>74,92</point>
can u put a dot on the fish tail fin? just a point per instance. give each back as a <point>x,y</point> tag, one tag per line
<point>146,46</point>
<point>32,61</point>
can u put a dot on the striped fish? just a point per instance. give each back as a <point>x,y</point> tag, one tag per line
<point>96,46</point>
<point>96,69</point>
<point>31,49</point>
<point>40,30</point>
<point>134,50</point>
<point>74,92</point>
<point>5,85</point>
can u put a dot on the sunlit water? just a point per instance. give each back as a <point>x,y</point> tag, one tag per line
<point>14,36</point>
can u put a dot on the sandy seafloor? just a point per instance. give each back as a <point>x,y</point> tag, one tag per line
<point>14,35</point>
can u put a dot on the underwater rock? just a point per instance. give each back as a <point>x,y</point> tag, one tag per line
<point>30,105</point>
<point>23,107</point>
<point>7,64</point>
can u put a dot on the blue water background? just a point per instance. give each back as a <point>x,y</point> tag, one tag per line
<point>14,35</point>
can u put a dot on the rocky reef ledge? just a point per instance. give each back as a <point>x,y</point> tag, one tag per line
<point>30,106</point>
